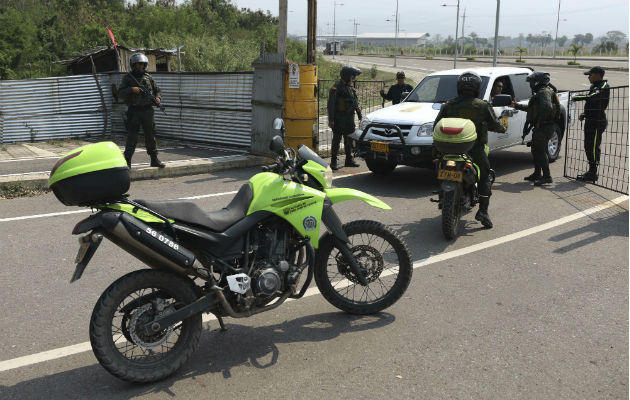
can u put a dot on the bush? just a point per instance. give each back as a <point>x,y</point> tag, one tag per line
<point>470,59</point>
<point>520,61</point>
<point>573,63</point>
<point>373,71</point>
<point>429,57</point>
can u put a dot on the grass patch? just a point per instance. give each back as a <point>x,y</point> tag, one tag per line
<point>573,63</point>
<point>3,148</point>
<point>14,190</point>
<point>520,61</point>
<point>471,59</point>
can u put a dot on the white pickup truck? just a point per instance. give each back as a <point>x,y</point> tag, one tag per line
<point>402,134</point>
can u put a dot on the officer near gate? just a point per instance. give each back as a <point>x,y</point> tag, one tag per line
<point>466,105</point>
<point>342,104</point>
<point>395,91</point>
<point>543,111</point>
<point>596,102</point>
<point>140,107</point>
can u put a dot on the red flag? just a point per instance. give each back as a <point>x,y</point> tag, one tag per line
<point>111,35</point>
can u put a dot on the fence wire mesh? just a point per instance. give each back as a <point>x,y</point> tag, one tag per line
<point>370,99</point>
<point>613,163</point>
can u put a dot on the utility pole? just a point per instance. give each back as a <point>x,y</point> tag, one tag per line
<point>496,35</point>
<point>334,43</point>
<point>311,39</point>
<point>463,25</point>
<point>355,31</point>
<point>282,27</point>
<point>557,24</point>
<point>396,35</point>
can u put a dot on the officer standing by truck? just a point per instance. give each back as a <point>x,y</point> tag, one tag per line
<point>395,91</point>
<point>342,104</point>
<point>596,102</point>
<point>543,111</point>
<point>466,105</point>
<point>140,107</point>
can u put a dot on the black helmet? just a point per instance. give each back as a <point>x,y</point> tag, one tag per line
<point>469,81</point>
<point>400,75</point>
<point>348,71</point>
<point>138,58</point>
<point>538,80</point>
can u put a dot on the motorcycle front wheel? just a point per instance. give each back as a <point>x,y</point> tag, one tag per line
<point>450,213</point>
<point>383,258</point>
<point>121,345</point>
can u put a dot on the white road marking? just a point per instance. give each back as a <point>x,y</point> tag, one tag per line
<point>85,346</point>
<point>203,196</point>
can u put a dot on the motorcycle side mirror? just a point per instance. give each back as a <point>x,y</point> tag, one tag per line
<point>501,100</point>
<point>277,144</point>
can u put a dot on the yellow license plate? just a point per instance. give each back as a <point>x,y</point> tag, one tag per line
<point>504,121</point>
<point>380,147</point>
<point>450,175</point>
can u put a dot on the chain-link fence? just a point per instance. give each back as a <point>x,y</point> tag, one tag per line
<point>582,138</point>
<point>370,99</point>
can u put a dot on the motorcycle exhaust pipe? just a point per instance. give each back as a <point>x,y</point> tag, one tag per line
<point>150,246</point>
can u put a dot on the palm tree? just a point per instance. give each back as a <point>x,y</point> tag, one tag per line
<point>520,50</point>
<point>575,49</point>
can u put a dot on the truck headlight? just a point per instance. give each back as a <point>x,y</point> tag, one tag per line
<point>426,129</point>
<point>364,122</point>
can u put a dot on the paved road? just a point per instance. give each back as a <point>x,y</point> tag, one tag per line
<point>535,308</point>
<point>563,77</point>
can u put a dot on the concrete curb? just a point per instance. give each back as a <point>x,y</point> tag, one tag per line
<point>172,169</point>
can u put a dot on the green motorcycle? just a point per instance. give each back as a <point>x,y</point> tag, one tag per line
<point>263,248</point>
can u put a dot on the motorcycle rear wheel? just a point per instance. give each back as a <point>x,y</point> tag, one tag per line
<point>381,254</point>
<point>450,214</point>
<point>118,341</point>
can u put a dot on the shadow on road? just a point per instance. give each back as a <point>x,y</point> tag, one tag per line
<point>218,352</point>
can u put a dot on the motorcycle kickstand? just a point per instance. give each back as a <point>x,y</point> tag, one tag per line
<point>221,323</point>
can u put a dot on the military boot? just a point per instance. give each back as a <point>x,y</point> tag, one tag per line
<point>535,176</point>
<point>590,175</point>
<point>482,214</point>
<point>128,159</point>
<point>546,177</point>
<point>350,163</point>
<point>333,164</point>
<point>155,162</point>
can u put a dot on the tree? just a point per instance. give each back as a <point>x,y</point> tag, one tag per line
<point>575,49</point>
<point>617,37</point>
<point>581,40</point>
<point>606,46</point>
<point>520,50</point>
<point>561,41</point>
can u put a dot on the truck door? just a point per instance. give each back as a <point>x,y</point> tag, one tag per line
<point>522,93</point>
<point>509,117</point>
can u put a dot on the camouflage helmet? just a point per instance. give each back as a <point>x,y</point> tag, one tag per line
<point>348,71</point>
<point>469,81</point>
<point>138,58</point>
<point>400,75</point>
<point>538,80</point>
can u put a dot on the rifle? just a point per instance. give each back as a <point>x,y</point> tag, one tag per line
<point>383,98</point>
<point>147,93</point>
<point>526,128</point>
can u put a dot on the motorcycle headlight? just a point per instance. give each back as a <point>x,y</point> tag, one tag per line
<point>364,122</point>
<point>426,129</point>
<point>328,176</point>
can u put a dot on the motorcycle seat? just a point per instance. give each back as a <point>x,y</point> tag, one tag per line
<point>189,212</point>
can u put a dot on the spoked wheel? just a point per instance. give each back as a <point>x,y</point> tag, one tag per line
<point>118,339</point>
<point>450,214</point>
<point>383,258</point>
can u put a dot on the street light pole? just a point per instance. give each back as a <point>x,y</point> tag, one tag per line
<point>456,31</point>
<point>557,24</point>
<point>496,35</point>
<point>396,35</point>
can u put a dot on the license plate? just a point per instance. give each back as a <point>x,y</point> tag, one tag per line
<point>450,175</point>
<point>504,121</point>
<point>82,252</point>
<point>380,147</point>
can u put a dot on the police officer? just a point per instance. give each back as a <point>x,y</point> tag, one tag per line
<point>342,104</point>
<point>395,91</point>
<point>466,105</point>
<point>596,102</point>
<point>140,108</point>
<point>542,110</point>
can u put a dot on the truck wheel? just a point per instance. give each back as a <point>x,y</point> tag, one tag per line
<point>553,147</point>
<point>380,167</point>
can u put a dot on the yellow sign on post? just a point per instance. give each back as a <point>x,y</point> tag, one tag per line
<point>300,106</point>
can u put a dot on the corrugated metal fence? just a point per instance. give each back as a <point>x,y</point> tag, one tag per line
<point>212,108</point>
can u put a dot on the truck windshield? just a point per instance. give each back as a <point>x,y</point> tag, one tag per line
<point>439,89</point>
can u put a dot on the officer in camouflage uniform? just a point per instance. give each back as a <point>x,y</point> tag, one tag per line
<point>542,113</point>
<point>140,108</point>
<point>342,104</point>
<point>466,105</point>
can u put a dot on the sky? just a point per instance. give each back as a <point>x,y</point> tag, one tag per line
<point>516,16</point>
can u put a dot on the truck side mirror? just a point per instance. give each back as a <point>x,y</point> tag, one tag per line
<point>502,100</point>
<point>277,145</point>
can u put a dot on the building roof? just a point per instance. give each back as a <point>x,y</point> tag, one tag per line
<point>381,35</point>
<point>102,49</point>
